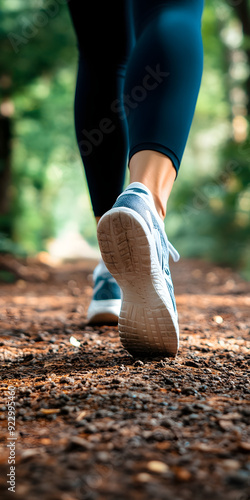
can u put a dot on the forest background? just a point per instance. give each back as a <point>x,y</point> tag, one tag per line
<point>43,190</point>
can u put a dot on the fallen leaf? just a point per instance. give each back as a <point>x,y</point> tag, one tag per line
<point>81,415</point>
<point>50,411</point>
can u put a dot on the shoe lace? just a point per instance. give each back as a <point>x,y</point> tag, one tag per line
<point>173,252</point>
<point>163,257</point>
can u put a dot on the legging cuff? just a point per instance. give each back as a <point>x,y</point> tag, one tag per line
<point>152,146</point>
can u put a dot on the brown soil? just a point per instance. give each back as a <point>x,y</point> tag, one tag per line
<point>92,423</point>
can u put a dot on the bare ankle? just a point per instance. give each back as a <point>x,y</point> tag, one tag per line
<point>157,173</point>
<point>159,206</point>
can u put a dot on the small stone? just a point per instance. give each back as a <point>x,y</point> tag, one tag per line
<point>81,423</point>
<point>244,446</point>
<point>218,319</point>
<point>67,409</point>
<point>193,364</point>
<point>138,363</point>
<point>76,442</point>
<point>188,391</point>
<point>143,477</point>
<point>28,357</point>
<point>157,466</point>
<point>226,425</point>
<point>230,464</point>
<point>187,410</point>
<point>238,479</point>
<point>103,456</point>
<point>167,422</point>
<point>203,388</point>
<point>168,381</point>
<point>67,380</point>
<point>193,416</point>
<point>182,474</point>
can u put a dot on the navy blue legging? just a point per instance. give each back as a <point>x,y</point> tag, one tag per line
<point>139,75</point>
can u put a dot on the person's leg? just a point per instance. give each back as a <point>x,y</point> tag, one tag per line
<point>104,39</point>
<point>161,88</point>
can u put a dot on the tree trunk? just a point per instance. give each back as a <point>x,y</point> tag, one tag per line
<point>5,163</point>
<point>242,10</point>
<point>5,176</point>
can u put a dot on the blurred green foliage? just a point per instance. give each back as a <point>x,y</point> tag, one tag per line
<point>208,212</point>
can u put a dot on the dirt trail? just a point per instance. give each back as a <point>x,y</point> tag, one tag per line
<point>92,423</point>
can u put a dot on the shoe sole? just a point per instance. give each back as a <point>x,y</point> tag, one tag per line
<point>104,312</point>
<point>145,324</point>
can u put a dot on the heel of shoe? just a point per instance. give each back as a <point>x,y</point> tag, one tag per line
<point>147,332</point>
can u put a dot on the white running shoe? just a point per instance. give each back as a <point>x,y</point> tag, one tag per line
<point>135,249</point>
<point>106,301</point>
